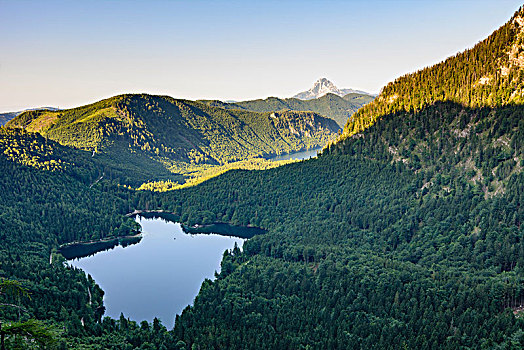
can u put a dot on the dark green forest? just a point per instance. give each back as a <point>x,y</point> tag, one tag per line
<point>366,250</point>
<point>50,196</point>
<point>406,233</point>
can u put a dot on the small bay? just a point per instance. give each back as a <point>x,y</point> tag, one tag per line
<point>312,153</point>
<point>159,276</point>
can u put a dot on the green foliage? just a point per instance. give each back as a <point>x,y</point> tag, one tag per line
<point>489,74</point>
<point>201,174</point>
<point>366,247</point>
<point>332,106</point>
<point>406,234</point>
<point>17,334</point>
<point>41,208</point>
<point>144,137</point>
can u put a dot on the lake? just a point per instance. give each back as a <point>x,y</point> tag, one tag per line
<point>159,276</point>
<point>298,155</point>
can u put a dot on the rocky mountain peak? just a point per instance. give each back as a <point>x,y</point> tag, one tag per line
<point>322,87</point>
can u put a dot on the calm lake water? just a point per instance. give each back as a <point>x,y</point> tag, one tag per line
<point>298,155</point>
<point>159,276</point>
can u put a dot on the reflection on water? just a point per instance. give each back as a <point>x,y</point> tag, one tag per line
<point>161,275</point>
<point>81,250</point>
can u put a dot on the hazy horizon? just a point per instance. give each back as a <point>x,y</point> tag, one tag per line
<point>65,54</point>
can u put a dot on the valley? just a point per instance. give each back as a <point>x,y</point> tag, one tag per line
<point>157,138</point>
<point>404,231</point>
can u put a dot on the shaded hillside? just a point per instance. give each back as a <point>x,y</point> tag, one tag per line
<point>158,132</point>
<point>408,234</point>
<point>405,235</point>
<point>46,199</point>
<point>50,195</point>
<point>40,164</point>
<point>330,105</point>
<point>364,233</point>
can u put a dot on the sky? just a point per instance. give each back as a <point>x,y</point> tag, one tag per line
<point>70,53</point>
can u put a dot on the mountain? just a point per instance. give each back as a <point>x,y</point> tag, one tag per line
<point>159,132</point>
<point>490,74</point>
<point>6,117</point>
<point>322,87</point>
<point>406,233</point>
<point>50,196</point>
<point>332,106</point>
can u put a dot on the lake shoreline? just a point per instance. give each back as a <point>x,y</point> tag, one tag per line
<point>220,228</point>
<point>307,154</point>
<point>140,212</point>
<point>80,249</point>
<point>174,263</point>
<point>223,229</point>
<point>101,240</point>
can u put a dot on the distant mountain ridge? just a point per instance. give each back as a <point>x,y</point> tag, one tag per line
<point>323,87</point>
<point>7,116</point>
<point>413,237</point>
<point>340,109</point>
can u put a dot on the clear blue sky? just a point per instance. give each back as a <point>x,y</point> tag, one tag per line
<point>68,53</point>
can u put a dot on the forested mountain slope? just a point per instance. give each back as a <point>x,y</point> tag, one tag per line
<point>6,117</point>
<point>367,249</point>
<point>150,132</point>
<point>489,74</point>
<point>330,105</point>
<point>407,234</point>
<point>50,195</point>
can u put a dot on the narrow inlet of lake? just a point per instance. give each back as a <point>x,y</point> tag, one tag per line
<point>312,153</point>
<point>159,276</point>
